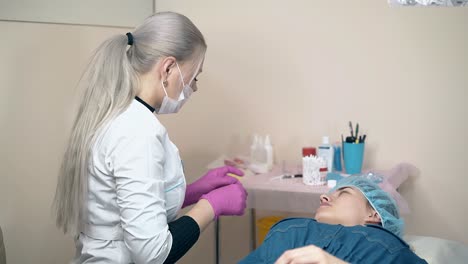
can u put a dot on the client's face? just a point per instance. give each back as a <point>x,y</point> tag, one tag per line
<point>346,206</point>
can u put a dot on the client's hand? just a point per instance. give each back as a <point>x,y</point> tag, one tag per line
<point>308,255</point>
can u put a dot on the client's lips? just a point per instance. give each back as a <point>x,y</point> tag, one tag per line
<point>324,204</point>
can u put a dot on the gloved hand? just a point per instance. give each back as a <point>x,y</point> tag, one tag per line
<point>213,179</point>
<point>227,200</point>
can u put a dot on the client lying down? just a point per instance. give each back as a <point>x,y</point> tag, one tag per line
<point>357,222</point>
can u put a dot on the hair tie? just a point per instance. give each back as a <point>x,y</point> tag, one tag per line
<point>130,38</point>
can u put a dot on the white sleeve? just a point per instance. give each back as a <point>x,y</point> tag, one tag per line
<point>138,169</point>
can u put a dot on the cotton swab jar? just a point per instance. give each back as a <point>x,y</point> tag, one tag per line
<point>311,174</point>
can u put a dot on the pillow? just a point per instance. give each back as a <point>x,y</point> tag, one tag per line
<point>437,250</point>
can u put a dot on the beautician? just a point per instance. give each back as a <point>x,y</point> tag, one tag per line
<point>121,183</point>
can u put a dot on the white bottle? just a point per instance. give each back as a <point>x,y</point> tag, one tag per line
<point>253,149</point>
<point>258,156</point>
<point>325,150</point>
<point>269,152</point>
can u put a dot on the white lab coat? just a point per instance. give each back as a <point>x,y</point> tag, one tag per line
<point>136,187</point>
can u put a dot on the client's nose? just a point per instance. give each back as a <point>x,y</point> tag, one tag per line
<point>324,198</point>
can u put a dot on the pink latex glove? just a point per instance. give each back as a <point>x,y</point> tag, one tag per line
<point>227,200</point>
<point>213,179</point>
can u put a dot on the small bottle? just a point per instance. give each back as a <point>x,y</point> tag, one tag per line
<point>337,157</point>
<point>269,152</point>
<point>253,149</point>
<point>325,150</point>
<point>258,156</point>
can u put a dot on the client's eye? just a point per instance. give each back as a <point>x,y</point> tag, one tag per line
<point>343,191</point>
<point>195,79</point>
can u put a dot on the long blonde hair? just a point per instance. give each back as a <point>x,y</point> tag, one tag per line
<point>110,83</point>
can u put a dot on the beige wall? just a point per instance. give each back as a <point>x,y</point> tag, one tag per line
<point>40,64</point>
<point>294,69</point>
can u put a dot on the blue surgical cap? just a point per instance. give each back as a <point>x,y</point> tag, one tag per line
<point>380,200</point>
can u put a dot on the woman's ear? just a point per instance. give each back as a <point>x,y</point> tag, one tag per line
<point>166,67</point>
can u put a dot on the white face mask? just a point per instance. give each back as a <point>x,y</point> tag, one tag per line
<point>169,105</point>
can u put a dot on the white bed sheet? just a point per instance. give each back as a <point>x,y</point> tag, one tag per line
<point>437,250</point>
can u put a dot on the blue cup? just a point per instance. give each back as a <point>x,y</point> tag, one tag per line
<point>353,155</point>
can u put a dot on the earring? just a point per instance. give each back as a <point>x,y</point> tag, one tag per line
<point>165,83</point>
